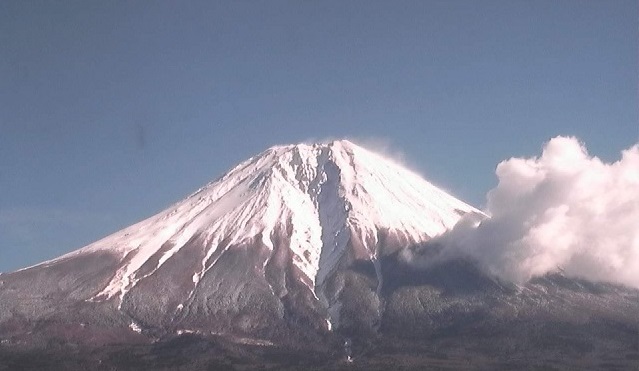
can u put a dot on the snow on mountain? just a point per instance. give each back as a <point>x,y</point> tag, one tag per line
<point>323,195</point>
<point>301,248</point>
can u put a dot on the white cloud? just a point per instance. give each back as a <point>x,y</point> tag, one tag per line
<point>564,209</point>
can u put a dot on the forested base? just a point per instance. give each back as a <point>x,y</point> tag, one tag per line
<point>470,351</point>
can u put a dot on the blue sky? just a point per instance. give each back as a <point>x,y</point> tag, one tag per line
<point>111,111</point>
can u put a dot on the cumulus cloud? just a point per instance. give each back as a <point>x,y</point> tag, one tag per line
<point>564,209</point>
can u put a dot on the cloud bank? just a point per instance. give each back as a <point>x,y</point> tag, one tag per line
<point>562,210</point>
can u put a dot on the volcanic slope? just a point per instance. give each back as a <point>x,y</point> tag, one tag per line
<point>265,239</point>
<point>293,252</point>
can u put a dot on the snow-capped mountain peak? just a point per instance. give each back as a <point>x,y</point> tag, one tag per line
<point>301,246</point>
<point>323,197</point>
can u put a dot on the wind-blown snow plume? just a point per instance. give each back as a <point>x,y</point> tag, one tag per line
<point>562,210</point>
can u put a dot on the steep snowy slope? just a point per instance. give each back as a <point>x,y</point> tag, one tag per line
<point>328,196</point>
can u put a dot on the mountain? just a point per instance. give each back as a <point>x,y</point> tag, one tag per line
<point>300,248</point>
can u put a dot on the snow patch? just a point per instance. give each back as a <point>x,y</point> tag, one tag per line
<point>135,327</point>
<point>258,342</point>
<point>186,331</point>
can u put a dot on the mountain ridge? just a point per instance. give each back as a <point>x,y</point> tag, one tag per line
<point>327,191</point>
<point>300,247</point>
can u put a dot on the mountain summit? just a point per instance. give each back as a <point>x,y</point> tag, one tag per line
<point>319,199</point>
<point>299,247</point>
<point>309,206</point>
